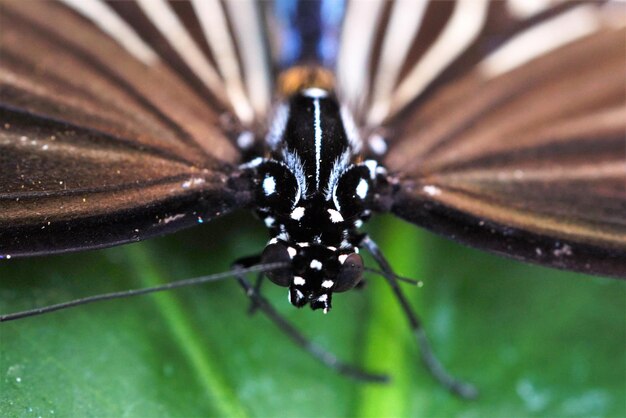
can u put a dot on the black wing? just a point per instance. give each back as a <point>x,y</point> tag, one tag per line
<point>517,143</point>
<point>104,142</point>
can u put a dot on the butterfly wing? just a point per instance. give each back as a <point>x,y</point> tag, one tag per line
<point>102,141</point>
<point>524,158</point>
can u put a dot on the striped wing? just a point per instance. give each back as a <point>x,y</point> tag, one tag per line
<point>112,121</point>
<point>510,135</point>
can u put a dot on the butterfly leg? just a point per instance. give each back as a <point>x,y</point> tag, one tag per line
<point>432,363</point>
<point>257,289</point>
<point>325,357</point>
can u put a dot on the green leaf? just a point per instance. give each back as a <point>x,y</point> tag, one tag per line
<point>537,342</point>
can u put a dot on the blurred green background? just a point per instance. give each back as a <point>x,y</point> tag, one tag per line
<point>536,341</point>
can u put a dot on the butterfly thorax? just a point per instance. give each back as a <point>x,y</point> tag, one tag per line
<point>314,193</point>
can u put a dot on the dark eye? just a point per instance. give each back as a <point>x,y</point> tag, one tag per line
<point>277,253</point>
<point>353,190</point>
<point>350,273</point>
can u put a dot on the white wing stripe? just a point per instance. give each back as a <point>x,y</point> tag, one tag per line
<point>406,18</point>
<point>541,39</point>
<point>167,22</point>
<point>106,19</point>
<point>249,32</point>
<point>357,38</point>
<point>466,23</point>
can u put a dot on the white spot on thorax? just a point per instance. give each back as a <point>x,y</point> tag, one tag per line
<point>315,93</point>
<point>327,284</point>
<point>297,213</point>
<point>335,216</point>
<point>298,281</point>
<point>361,189</point>
<point>342,258</point>
<point>292,252</point>
<point>269,221</point>
<point>269,185</point>
<point>323,298</point>
<point>316,264</point>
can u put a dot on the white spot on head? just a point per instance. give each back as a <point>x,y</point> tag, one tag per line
<point>272,241</point>
<point>297,213</point>
<point>269,185</point>
<point>299,296</point>
<point>316,264</point>
<point>361,189</point>
<point>342,258</point>
<point>315,93</point>
<point>331,248</point>
<point>327,284</point>
<point>377,144</point>
<point>432,190</point>
<point>269,221</point>
<point>323,298</point>
<point>356,250</point>
<point>245,140</point>
<point>335,216</point>
<point>358,223</point>
<point>284,236</point>
<point>303,244</point>
<point>298,281</point>
<point>292,252</point>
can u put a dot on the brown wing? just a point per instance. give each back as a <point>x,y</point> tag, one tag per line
<point>530,162</point>
<point>100,143</point>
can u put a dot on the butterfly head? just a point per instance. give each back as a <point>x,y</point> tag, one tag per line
<point>315,271</point>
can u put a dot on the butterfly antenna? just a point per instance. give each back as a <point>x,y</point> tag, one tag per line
<point>137,292</point>
<point>408,280</point>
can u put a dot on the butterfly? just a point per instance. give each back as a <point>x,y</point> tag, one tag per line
<point>160,116</point>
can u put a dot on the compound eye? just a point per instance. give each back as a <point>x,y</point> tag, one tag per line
<point>350,273</point>
<point>278,253</point>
